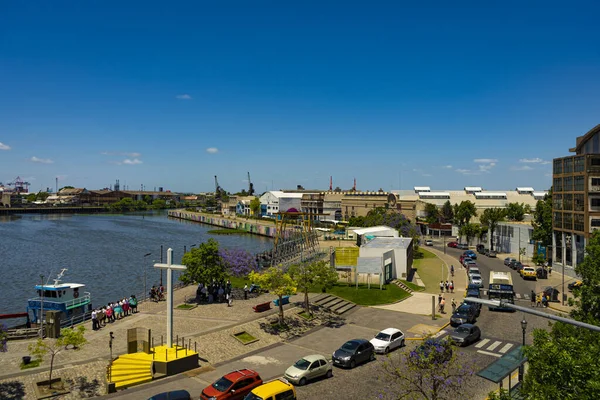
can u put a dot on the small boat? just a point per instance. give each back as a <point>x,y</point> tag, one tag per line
<point>68,298</point>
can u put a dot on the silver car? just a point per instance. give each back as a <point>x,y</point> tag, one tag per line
<point>476,280</point>
<point>308,368</point>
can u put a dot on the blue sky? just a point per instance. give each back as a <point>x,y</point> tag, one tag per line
<point>391,93</point>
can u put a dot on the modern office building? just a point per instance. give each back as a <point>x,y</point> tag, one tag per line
<point>576,199</point>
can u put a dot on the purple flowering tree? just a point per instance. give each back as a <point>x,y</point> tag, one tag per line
<point>431,371</point>
<point>238,262</point>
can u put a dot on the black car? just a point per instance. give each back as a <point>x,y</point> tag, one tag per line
<point>551,293</point>
<point>541,273</point>
<point>516,265</point>
<point>466,334</point>
<point>353,352</point>
<point>466,313</point>
<point>172,395</point>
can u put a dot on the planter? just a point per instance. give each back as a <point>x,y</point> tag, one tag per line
<point>43,391</point>
<point>307,317</point>
<point>245,338</point>
<point>26,360</point>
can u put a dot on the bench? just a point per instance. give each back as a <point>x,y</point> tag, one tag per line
<point>284,300</point>
<point>262,307</point>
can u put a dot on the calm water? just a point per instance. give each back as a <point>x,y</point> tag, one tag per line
<point>104,252</point>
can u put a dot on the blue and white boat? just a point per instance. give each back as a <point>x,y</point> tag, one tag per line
<point>68,298</point>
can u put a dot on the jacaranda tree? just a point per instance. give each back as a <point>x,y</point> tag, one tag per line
<point>238,262</point>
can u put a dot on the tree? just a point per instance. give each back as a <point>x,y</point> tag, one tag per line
<point>238,262</point>
<point>565,362</point>
<point>469,231</point>
<point>490,218</point>
<point>463,212</point>
<point>432,371</point>
<point>542,220</point>
<point>447,213</point>
<point>255,206</point>
<point>159,204</point>
<point>516,211</point>
<point>3,338</point>
<point>68,336</point>
<point>309,274</point>
<point>204,264</point>
<point>356,221</point>
<point>31,197</point>
<point>276,281</point>
<point>433,213</point>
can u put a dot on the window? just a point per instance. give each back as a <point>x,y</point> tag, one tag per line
<point>322,362</point>
<point>557,220</point>
<point>557,202</point>
<point>578,224</point>
<point>578,164</point>
<point>568,221</point>
<point>287,395</point>
<point>557,185</point>
<point>558,167</point>
<point>594,161</point>
<point>568,202</point>
<point>579,185</point>
<point>568,184</point>
<point>595,222</point>
<point>578,202</point>
<point>595,202</point>
<point>595,181</point>
<point>568,166</point>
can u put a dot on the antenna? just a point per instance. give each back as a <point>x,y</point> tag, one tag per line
<point>58,278</point>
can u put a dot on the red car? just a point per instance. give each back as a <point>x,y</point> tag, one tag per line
<point>452,244</point>
<point>233,386</point>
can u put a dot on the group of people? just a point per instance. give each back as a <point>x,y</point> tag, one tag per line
<point>538,300</point>
<point>442,304</point>
<point>448,287</point>
<point>114,311</point>
<point>157,293</point>
<point>215,292</point>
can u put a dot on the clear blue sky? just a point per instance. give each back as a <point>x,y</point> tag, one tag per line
<point>390,93</point>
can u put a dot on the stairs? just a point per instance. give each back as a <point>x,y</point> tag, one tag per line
<point>131,369</point>
<point>333,303</point>
<point>402,286</point>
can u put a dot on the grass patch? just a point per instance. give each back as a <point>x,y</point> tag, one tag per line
<point>426,254</point>
<point>367,297</point>
<point>32,364</point>
<point>412,286</point>
<point>237,282</point>
<point>429,270</point>
<point>227,232</point>
<point>306,315</point>
<point>186,306</point>
<point>245,337</point>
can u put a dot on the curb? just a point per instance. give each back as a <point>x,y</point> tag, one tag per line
<point>558,309</point>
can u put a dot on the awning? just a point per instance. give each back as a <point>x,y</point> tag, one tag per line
<point>505,366</point>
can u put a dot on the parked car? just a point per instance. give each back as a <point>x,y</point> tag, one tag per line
<point>551,293</point>
<point>574,285</point>
<point>465,260</point>
<point>470,264</point>
<point>473,271</point>
<point>452,244</point>
<point>464,314</point>
<point>491,254</point>
<point>528,272</point>
<point>428,242</point>
<point>172,395</point>
<point>480,248</point>
<point>353,352</point>
<point>508,261</point>
<point>462,246</point>
<point>541,273</point>
<point>473,291</point>
<point>388,339</point>
<point>470,254</point>
<point>476,280</point>
<point>308,368</point>
<point>466,334</point>
<point>234,385</point>
<point>279,389</point>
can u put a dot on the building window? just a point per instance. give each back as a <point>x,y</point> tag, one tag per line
<point>557,185</point>
<point>568,166</point>
<point>578,204</point>
<point>557,202</point>
<point>579,185</point>
<point>595,181</point>
<point>568,202</point>
<point>594,161</point>
<point>578,224</point>
<point>568,221</point>
<point>595,223</point>
<point>568,184</point>
<point>558,167</point>
<point>578,164</point>
<point>595,202</point>
<point>557,220</point>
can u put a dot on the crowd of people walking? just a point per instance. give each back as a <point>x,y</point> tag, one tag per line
<point>114,311</point>
<point>448,287</point>
<point>215,292</point>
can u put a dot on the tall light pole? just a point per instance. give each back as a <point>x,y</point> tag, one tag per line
<point>41,321</point>
<point>144,267</point>
<point>522,366</point>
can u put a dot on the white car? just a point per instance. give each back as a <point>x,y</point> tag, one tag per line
<point>476,280</point>
<point>429,242</point>
<point>474,271</point>
<point>388,339</point>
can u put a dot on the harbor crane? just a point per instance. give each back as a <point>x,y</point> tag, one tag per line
<point>250,186</point>
<point>219,191</point>
<point>19,185</point>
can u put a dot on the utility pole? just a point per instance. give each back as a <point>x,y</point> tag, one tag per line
<point>41,321</point>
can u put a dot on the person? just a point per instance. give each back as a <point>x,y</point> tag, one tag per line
<point>246,291</point>
<point>453,305</point>
<point>95,324</point>
<point>451,286</point>
<point>441,286</point>
<point>544,300</point>
<point>440,298</point>
<point>538,300</point>
<point>533,296</point>
<point>229,299</point>
<point>109,313</point>
<point>442,305</point>
<point>549,270</point>
<point>220,293</point>
<point>452,270</point>
<point>133,304</point>
<point>447,286</point>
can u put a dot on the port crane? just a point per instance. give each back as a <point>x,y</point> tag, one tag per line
<point>250,186</point>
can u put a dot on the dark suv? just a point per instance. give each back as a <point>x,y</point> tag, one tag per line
<point>465,314</point>
<point>233,386</point>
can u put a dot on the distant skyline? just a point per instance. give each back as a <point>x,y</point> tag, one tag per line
<point>394,94</point>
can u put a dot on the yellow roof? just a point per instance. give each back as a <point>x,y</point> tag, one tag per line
<point>271,388</point>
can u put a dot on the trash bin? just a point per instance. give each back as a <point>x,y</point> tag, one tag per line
<point>26,360</point>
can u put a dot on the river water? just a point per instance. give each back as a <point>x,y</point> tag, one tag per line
<point>104,252</point>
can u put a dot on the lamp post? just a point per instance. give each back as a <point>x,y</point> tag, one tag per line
<point>522,367</point>
<point>41,321</point>
<point>144,268</point>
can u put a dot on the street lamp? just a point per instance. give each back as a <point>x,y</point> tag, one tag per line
<point>522,367</point>
<point>110,340</point>
<point>144,267</point>
<point>41,321</point>
<point>185,248</point>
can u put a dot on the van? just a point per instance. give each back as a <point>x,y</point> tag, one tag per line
<point>279,389</point>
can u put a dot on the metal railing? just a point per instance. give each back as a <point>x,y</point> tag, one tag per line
<point>85,299</point>
<point>24,333</point>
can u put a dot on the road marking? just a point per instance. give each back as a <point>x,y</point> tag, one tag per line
<point>482,343</point>
<point>518,295</point>
<point>489,354</point>
<point>505,348</point>
<point>494,345</point>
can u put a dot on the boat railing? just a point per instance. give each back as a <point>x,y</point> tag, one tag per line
<point>76,319</point>
<point>82,300</point>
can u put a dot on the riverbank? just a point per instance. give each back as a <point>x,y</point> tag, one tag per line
<point>256,227</point>
<point>53,210</point>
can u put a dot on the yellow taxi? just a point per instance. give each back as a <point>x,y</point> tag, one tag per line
<point>528,272</point>
<point>278,389</point>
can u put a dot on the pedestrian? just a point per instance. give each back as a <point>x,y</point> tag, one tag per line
<point>440,298</point>
<point>544,300</point>
<point>229,300</point>
<point>453,305</point>
<point>441,286</point>
<point>95,324</point>
<point>442,305</point>
<point>549,270</point>
<point>538,300</point>
<point>451,286</point>
<point>533,296</point>
<point>447,286</point>
<point>109,313</point>
<point>221,292</point>
<point>133,304</point>
<point>246,291</point>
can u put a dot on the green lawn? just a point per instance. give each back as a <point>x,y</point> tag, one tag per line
<point>239,282</point>
<point>429,269</point>
<point>367,297</point>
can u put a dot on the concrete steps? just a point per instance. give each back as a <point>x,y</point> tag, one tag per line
<point>334,303</point>
<point>402,286</point>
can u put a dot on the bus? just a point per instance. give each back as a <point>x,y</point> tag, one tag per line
<point>501,288</point>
